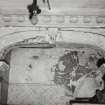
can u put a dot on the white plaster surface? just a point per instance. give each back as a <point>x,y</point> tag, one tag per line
<point>31,78</point>
<point>34,85</point>
<point>55,3</point>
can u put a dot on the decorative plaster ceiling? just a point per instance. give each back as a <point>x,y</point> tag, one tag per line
<point>100,4</point>
<point>57,5</point>
<point>63,13</point>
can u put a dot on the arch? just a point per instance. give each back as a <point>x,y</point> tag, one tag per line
<point>11,40</point>
<point>29,37</point>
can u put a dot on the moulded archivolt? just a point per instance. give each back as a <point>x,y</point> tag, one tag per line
<point>32,36</point>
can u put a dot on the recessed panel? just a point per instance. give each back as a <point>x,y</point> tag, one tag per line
<point>52,76</point>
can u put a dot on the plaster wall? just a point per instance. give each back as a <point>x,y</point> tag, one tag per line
<point>25,87</point>
<point>70,25</point>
